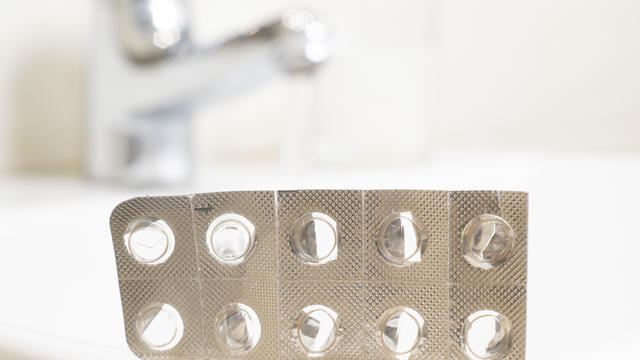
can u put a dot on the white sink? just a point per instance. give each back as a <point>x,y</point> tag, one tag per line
<point>60,297</point>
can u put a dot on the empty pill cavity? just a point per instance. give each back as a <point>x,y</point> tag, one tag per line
<point>401,239</point>
<point>487,241</point>
<point>160,326</point>
<point>402,331</point>
<point>315,239</point>
<point>231,238</point>
<point>316,330</point>
<point>487,336</point>
<point>238,328</point>
<point>149,241</point>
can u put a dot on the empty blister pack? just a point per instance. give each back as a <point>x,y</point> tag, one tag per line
<point>331,274</point>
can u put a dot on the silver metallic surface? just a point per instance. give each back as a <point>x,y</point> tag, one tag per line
<point>147,75</point>
<point>272,305</point>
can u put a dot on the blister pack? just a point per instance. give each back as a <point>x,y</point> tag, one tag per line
<point>331,274</point>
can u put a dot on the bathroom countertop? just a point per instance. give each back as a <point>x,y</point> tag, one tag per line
<point>60,297</point>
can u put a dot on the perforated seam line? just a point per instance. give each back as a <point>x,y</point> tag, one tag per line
<point>362,286</point>
<point>277,247</point>
<point>198,275</point>
<point>448,312</point>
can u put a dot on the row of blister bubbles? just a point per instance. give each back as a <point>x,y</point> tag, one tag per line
<point>160,327</point>
<point>372,244</point>
<point>315,238</point>
<point>169,319</point>
<point>400,331</point>
<point>230,240</point>
<point>401,237</point>
<point>315,330</point>
<point>236,329</point>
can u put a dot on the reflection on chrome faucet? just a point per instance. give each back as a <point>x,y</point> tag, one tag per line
<point>147,75</point>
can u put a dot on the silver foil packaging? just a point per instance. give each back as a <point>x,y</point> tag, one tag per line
<point>331,274</point>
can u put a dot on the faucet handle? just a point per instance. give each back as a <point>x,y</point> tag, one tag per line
<point>306,43</point>
<point>149,30</point>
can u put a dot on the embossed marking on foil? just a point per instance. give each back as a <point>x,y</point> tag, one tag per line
<point>315,239</point>
<point>316,329</point>
<point>401,239</point>
<point>149,241</point>
<point>487,241</point>
<point>160,326</point>
<point>239,328</point>
<point>231,238</point>
<point>487,336</point>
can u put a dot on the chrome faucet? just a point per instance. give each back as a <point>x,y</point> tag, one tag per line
<point>147,75</point>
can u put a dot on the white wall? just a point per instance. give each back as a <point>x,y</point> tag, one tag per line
<point>405,76</point>
<point>546,73</point>
<point>42,60</point>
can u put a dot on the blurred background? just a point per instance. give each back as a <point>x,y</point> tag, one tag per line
<point>102,100</point>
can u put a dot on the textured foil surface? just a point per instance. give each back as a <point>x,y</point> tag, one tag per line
<point>442,288</point>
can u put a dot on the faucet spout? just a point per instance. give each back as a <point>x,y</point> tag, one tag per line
<point>148,76</point>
